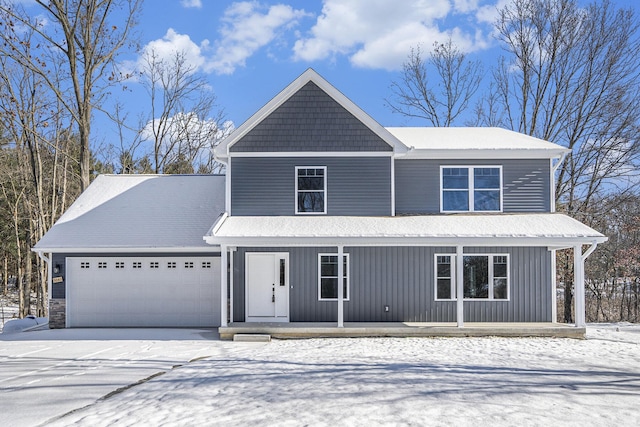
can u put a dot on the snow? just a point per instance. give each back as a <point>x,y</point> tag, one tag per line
<point>145,212</point>
<point>391,381</point>
<point>470,138</point>
<point>403,228</point>
<point>18,325</point>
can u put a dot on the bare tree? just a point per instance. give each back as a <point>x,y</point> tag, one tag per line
<point>79,35</point>
<point>570,76</point>
<point>184,123</point>
<point>438,89</point>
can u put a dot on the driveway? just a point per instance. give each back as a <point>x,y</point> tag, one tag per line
<point>46,374</point>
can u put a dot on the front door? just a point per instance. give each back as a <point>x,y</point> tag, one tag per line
<point>267,287</point>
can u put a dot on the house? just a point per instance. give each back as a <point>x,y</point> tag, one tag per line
<point>326,217</point>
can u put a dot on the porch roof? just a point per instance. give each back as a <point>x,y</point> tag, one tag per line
<point>549,229</point>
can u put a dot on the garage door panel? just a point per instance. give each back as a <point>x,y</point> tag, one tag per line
<point>143,291</point>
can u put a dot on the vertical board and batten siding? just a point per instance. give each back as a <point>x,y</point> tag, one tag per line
<point>310,120</point>
<point>403,279</point>
<point>355,185</point>
<point>525,184</point>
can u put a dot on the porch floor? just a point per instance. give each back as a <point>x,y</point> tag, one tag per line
<point>401,329</point>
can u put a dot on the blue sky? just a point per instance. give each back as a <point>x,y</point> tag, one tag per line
<point>250,50</point>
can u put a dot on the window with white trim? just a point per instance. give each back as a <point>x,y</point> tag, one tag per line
<point>471,188</point>
<point>484,277</point>
<point>311,190</point>
<point>328,277</point>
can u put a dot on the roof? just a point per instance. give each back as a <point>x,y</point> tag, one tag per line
<point>551,229</point>
<point>222,150</point>
<point>475,142</point>
<point>139,213</point>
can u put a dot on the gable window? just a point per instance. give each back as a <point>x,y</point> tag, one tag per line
<point>471,188</point>
<point>485,277</point>
<point>311,189</point>
<point>328,277</point>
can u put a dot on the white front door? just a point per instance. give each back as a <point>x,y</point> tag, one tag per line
<point>267,287</point>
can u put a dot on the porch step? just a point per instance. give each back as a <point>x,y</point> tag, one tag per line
<point>252,337</point>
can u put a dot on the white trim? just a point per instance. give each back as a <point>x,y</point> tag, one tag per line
<point>459,286</point>
<point>490,262</point>
<point>471,187</point>
<point>346,273</point>
<point>223,287</point>
<point>227,187</point>
<point>311,154</point>
<point>393,187</point>
<point>452,293</point>
<point>554,288</point>
<point>232,251</point>
<point>324,212</point>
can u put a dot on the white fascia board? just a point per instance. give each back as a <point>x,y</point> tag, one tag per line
<point>483,154</point>
<point>129,250</point>
<point>405,241</point>
<point>314,154</point>
<point>222,150</point>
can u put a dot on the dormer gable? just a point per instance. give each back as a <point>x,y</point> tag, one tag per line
<point>309,115</point>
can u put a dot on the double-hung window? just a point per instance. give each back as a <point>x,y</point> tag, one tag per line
<point>328,277</point>
<point>484,277</point>
<point>471,188</point>
<point>311,190</point>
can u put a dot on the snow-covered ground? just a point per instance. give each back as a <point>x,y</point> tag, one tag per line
<point>393,381</point>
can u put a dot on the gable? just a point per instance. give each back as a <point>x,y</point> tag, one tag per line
<point>310,120</point>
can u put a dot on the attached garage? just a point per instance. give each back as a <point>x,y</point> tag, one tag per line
<point>143,292</point>
<point>129,252</point>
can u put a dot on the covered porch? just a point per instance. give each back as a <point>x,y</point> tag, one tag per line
<point>399,329</point>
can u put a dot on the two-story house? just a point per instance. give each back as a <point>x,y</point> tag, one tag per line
<point>327,217</point>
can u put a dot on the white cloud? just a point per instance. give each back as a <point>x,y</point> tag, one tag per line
<point>489,13</point>
<point>248,26</point>
<point>172,43</point>
<point>191,3</point>
<point>380,33</point>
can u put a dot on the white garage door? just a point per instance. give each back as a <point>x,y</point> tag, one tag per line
<point>143,292</point>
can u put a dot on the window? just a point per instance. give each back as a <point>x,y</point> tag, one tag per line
<point>484,277</point>
<point>119,264</point>
<point>137,264</point>
<point>188,264</point>
<point>471,189</point>
<point>311,190</point>
<point>154,264</point>
<point>85,265</point>
<point>102,264</point>
<point>171,264</point>
<point>445,288</point>
<point>328,277</point>
<point>206,264</point>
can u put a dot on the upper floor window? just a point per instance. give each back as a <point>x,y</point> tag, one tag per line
<point>311,189</point>
<point>471,189</point>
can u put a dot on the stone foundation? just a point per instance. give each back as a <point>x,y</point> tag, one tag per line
<point>57,313</point>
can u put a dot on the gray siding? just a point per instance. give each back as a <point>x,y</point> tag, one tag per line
<point>59,290</point>
<point>403,279</point>
<point>310,120</point>
<point>355,185</point>
<point>526,184</point>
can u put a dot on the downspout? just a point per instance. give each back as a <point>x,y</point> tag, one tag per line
<point>554,169</point>
<point>340,286</point>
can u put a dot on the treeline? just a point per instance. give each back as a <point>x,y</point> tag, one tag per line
<point>59,66</point>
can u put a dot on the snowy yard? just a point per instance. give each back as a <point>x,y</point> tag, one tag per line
<point>387,381</point>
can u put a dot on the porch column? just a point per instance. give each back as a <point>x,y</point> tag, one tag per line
<point>578,282</point>
<point>340,286</point>
<point>459,286</point>
<point>223,286</point>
